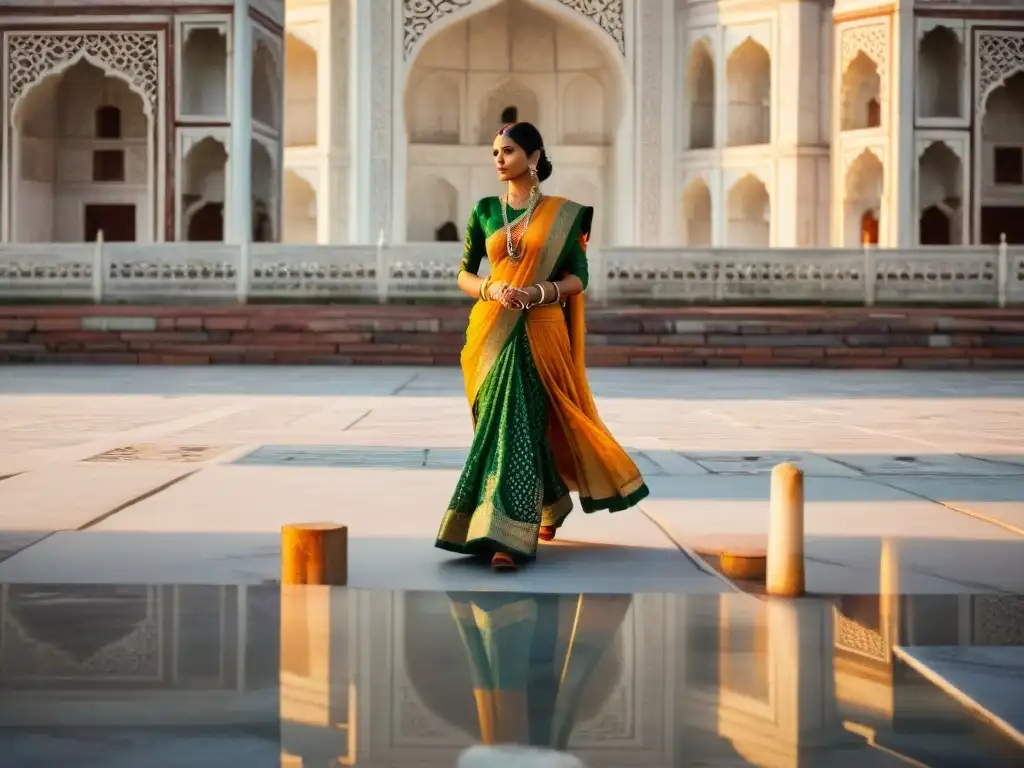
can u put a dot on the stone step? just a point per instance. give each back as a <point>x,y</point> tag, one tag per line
<point>713,337</point>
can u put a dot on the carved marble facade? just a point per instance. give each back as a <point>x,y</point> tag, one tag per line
<point>124,128</point>
<point>687,122</point>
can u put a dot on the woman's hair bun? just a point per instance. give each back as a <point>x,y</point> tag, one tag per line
<point>544,167</point>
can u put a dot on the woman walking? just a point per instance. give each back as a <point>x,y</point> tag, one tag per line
<point>537,434</point>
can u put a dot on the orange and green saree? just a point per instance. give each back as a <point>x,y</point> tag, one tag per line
<point>537,434</point>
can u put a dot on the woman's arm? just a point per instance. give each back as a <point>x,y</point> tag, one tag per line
<point>470,283</point>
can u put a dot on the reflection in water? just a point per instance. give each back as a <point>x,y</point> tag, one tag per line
<point>532,659</point>
<point>117,676</point>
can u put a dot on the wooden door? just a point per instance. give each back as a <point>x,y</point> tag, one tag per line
<point>117,222</point>
<point>1005,219</point>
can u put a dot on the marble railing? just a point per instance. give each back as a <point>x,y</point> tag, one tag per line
<point>211,272</point>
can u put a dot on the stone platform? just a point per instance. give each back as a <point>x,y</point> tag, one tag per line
<point>692,337</point>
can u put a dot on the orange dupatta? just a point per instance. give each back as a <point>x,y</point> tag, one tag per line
<point>490,324</point>
<point>587,456</point>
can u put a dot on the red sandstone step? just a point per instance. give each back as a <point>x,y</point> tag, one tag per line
<point>711,337</point>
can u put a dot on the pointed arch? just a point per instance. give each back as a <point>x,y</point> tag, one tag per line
<point>700,86</point>
<point>696,210</point>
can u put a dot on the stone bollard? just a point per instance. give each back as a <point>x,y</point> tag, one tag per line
<point>512,756</point>
<point>314,553</point>
<point>785,567</point>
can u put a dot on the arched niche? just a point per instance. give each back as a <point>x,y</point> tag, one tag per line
<point>748,207</point>
<point>584,118</point>
<point>510,93</point>
<point>864,191</point>
<point>700,87</point>
<point>1002,161</point>
<point>82,158</point>
<point>300,210</point>
<point>204,170</point>
<point>940,60</point>
<point>544,60</point>
<point>264,199</point>
<point>265,85</point>
<point>748,73</point>
<point>301,93</point>
<point>861,94</point>
<point>697,214</point>
<point>434,110</point>
<point>940,196</point>
<point>204,71</point>
<point>433,201</point>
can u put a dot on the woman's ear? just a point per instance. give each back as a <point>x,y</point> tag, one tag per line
<point>533,159</point>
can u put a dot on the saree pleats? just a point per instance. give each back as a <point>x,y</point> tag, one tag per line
<point>537,434</point>
<point>509,479</point>
<point>588,457</point>
<point>532,658</point>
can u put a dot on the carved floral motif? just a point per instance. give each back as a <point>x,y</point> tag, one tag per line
<point>999,54</point>
<point>419,15</point>
<point>136,55</point>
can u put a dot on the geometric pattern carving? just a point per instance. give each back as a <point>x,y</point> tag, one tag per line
<point>419,15</point>
<point>998,619</point>
<point>136,55</point>
<point>607,14</point>
<point>854,637</point>
<point>873,41</point>
<point>999,54</point>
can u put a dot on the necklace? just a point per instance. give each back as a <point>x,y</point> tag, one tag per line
<point>515,231</point>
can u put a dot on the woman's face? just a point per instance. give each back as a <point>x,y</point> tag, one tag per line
<point>509,159</point>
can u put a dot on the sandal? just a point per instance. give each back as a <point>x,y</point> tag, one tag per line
<point>547,533</point>
<point>503,562</point>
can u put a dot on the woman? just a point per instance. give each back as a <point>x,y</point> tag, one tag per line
<point>537,435</point>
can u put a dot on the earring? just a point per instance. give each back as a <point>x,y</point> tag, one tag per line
<point>533,171</point>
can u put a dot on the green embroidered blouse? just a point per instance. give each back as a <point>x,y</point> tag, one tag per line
<point>485,219</point>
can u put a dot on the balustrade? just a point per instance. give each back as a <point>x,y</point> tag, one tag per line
<point>216,272</point>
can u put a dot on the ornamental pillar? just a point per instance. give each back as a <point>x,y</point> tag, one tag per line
<point>650,146</point>
<point>370,138</point>
<point>903,225</point>
<point>240,158</point>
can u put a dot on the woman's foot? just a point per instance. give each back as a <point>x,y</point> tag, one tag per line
<point>503,562</point>
<point>547,533</point>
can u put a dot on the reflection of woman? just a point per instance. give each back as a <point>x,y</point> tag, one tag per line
<point>537,433</point>
<point>532,658</point>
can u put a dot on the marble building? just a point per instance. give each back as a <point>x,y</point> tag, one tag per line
<point>688,122</point>
<point>699,123</point>
<point>129,123</point>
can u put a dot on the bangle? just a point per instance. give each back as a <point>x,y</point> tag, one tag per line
<point>483,289</point>
<point>558,292</point>
<point>543,294</point>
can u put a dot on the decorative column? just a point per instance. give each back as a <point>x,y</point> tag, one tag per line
<point>650,145</point>
<point>798,198</point>
<point>240,157</point>
<point>370,138</point>
<point>901,175</point>
<point>716,186</point>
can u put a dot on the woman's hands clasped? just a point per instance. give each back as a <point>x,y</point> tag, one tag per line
<point>508,296</point>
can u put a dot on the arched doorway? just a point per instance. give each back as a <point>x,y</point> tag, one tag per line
<point>202,194</point>
<point>1002,163</point>
<point>533,60</point>
<point>56,197</point>
<point>862,205</point>
<point>749,209</point>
